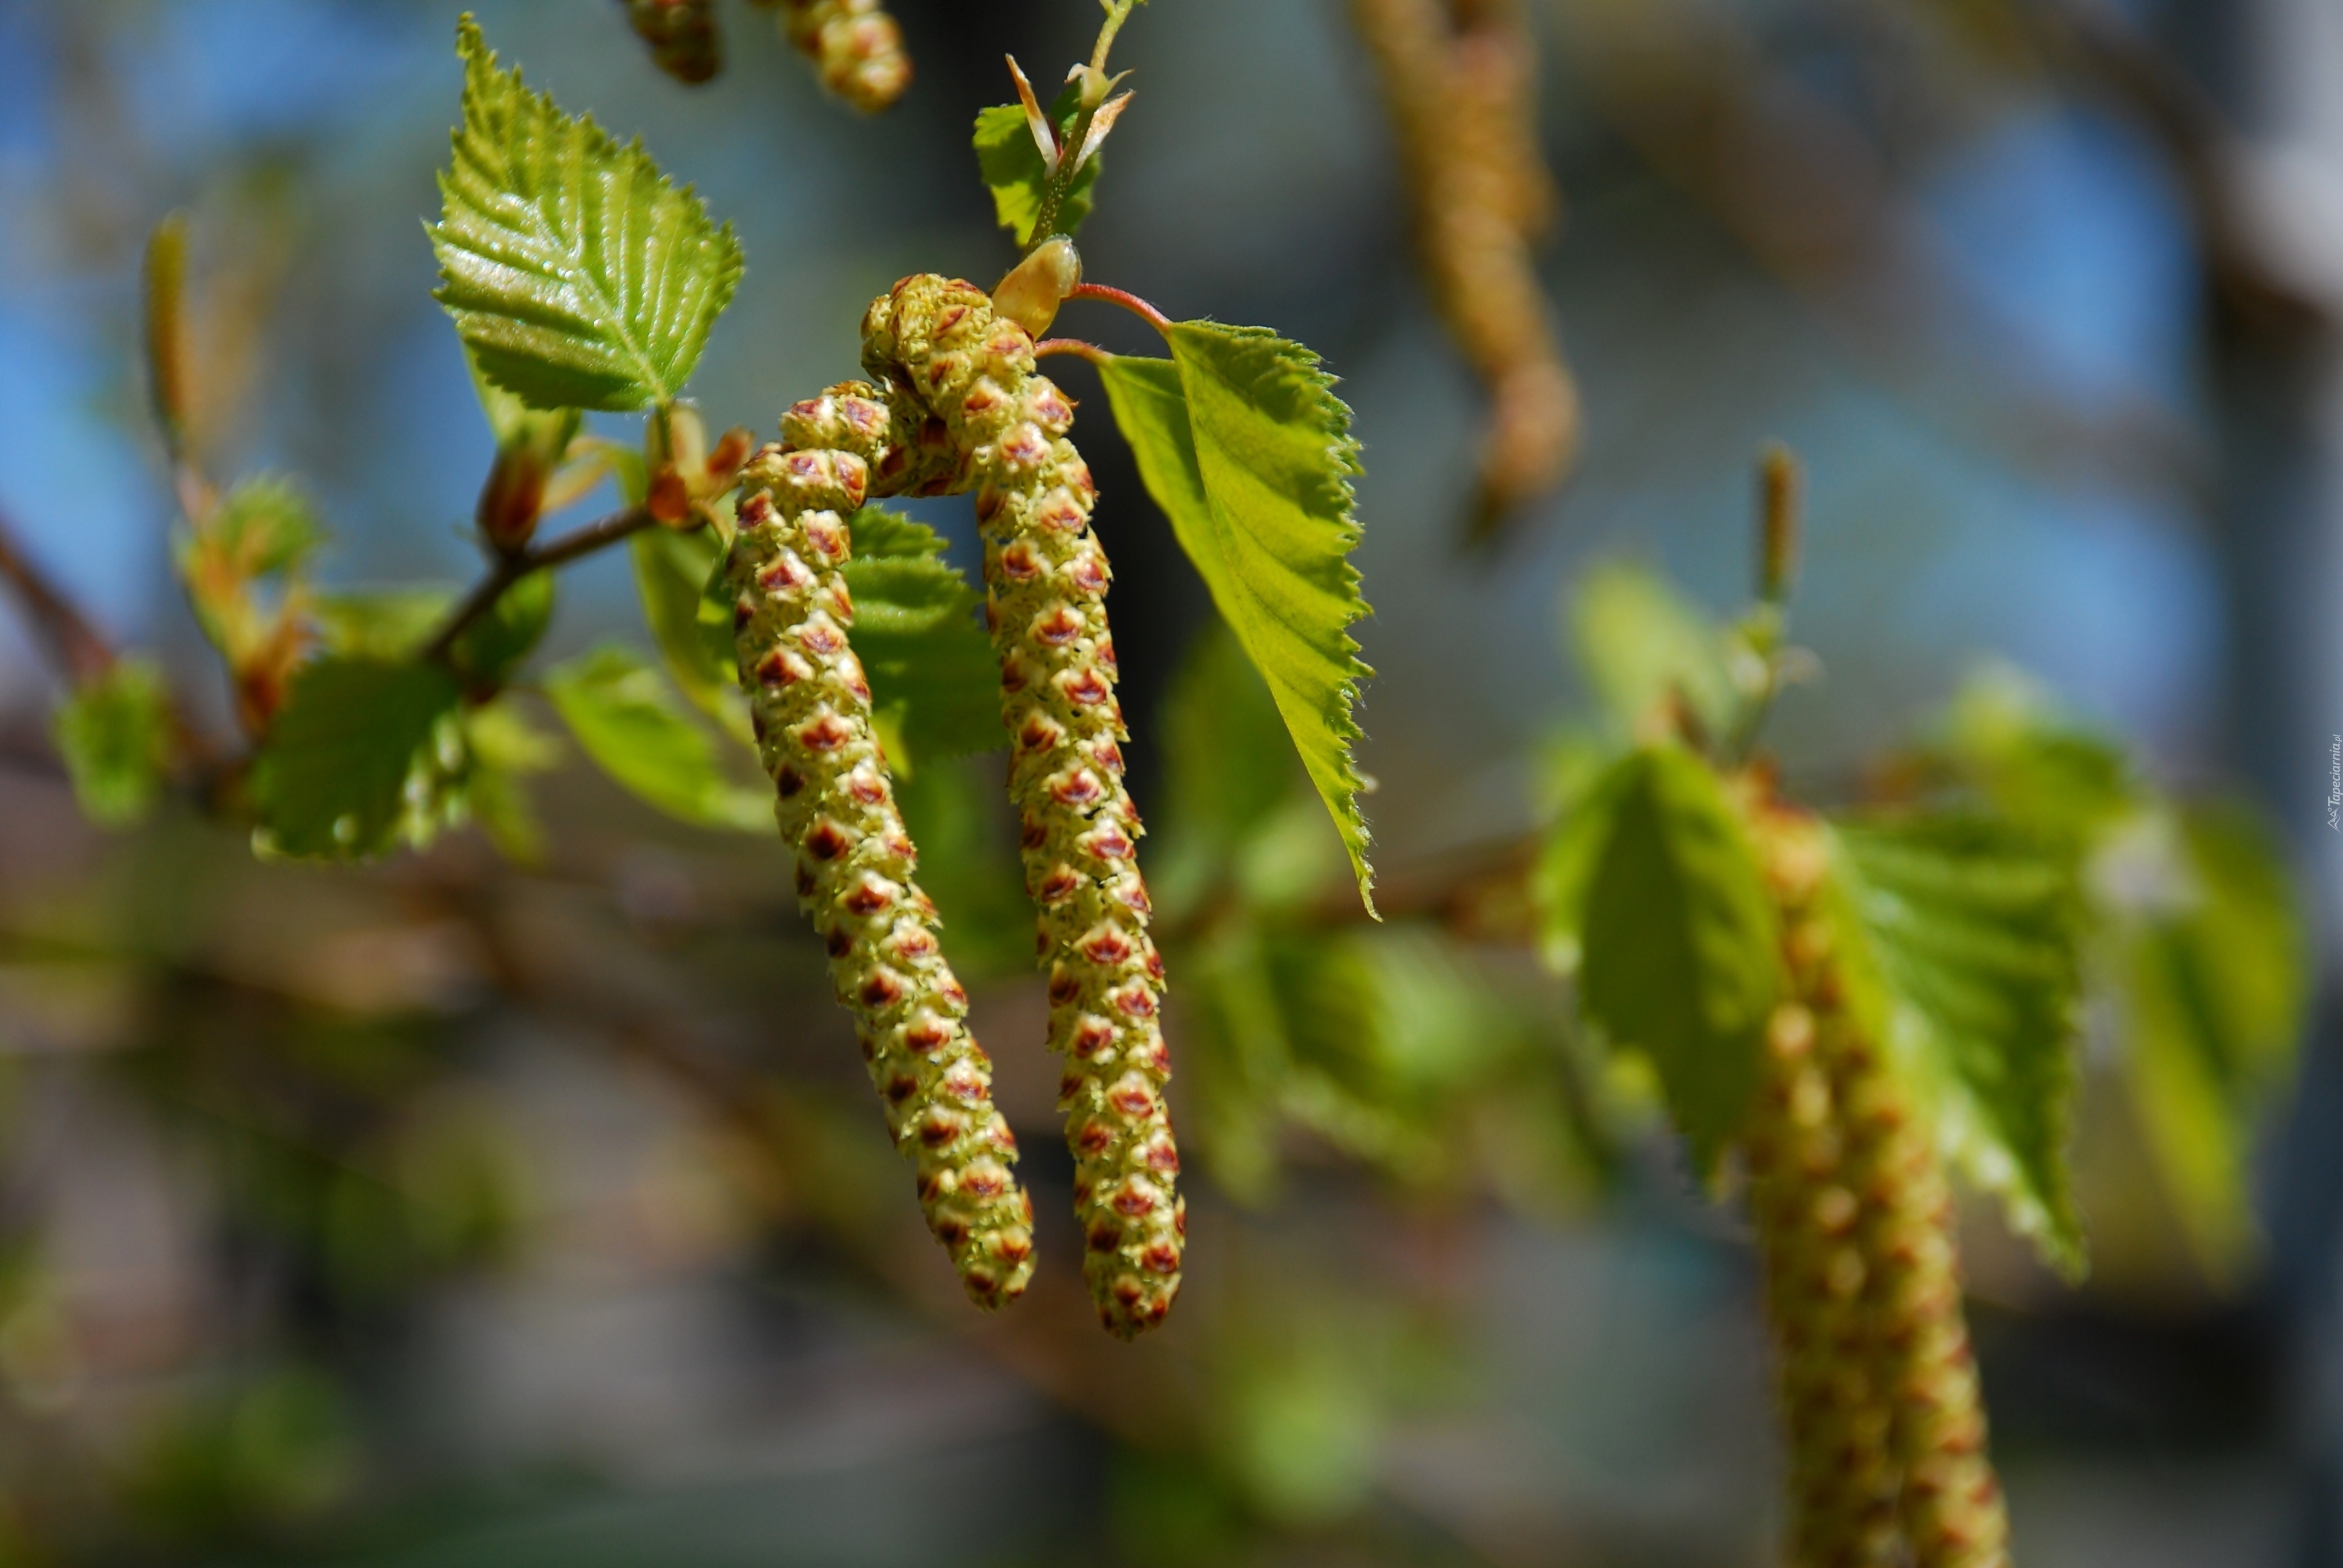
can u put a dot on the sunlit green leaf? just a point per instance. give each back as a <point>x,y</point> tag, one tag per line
<point>2006,737</point>
<point>1013,171</point>
<point>114,735</point>
<point>578,276</point>
<point>630,721</point>
<point>1972,926</point>
<point>357,754</point>
<point>1241,441</point>
<point>387,623</point>
<point>1680,957</point>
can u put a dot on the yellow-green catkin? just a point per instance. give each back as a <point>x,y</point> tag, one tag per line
<point>682,36</point>
<point>810,705</point>
<point>855,46</point>
<point>964,376</point>
<point>1887,1430</point>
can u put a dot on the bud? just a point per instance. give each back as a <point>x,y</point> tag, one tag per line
<point>1034,289</point>
<point>1778,484</point>
<point>513,496</point>
<point>675,456</point>
<point>682,36</point>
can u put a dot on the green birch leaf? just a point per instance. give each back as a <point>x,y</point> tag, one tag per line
<point>933,682</point>
<point>505,749</point>
<point>673,570</point>
<point>1563,873</point>
<point>1680,942</point>
<point>1227,768</point>
<point>578,276</point>
<point>1243,443</point>
<point>114,735</point>
<point>1972,926</point>
<point>630,721</point>
<point>1012,168</point>
<point>1640,643</point>
<point>357,756</point>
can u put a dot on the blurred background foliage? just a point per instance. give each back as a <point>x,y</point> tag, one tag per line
<point>444,1211</point>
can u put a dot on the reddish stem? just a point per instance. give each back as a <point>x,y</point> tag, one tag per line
<point>1130,302</point>
<point>1075,346</point>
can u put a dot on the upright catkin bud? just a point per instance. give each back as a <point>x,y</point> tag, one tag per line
<point>682,35</point>
<point>810,706</point>
<point>1885,1202</point>
<point>957,361</point>
<point>856,48</point>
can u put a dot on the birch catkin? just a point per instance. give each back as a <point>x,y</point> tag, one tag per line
<point>1879,1387</point>
<point>682,36</point>
<point>855,46</point>
<point>960,367</point>
<point>811,709</point>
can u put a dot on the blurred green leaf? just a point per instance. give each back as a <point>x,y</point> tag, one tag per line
<point>2006,736</point>
<point>1013,171</point>
<point>1586,785</point>
<point>1228,767</point>
<point>488,651</point>
<point>1680,959</point>
<point>114,735</point>
<point>673,572</point>
<point>933,681</point>
<point>630,721</point>
<point>505,749</point>
<point>1243,445</point>
<point>576,275</point>
<point>1641,644</point>
<point>355,758</point>
<point>2216,983</point>
<point>953,812</point>
<point>1974,926</point>
<point>384,623</point>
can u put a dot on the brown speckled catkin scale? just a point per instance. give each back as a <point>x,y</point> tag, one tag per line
<point>950,360</point>
<point>855,46</point>
<point>811,709</point>
<point>1854,1214</point>
<point>682,36</point>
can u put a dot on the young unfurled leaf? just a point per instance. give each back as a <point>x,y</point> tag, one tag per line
<point>356,757</point>
<point>1013,171</point>
<point>1973,927</point>
<point>578,276</point>
<point>264,526</point>
<point>2214,986</point>
<point>631,723</point>
<point>1680,941</point>
<point>2006,736</point>
<point>492,648</point>
<point>672,572</point>
<point>1588,787</point>
<point>114,735</point>
<point>1243,443</point>
<point>933,681</point>
<point>1641,645</point>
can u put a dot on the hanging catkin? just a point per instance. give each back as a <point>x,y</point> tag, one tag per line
<point>682,36</point>
<point>1879,1386</point>
<point>811,709</point>
<point>965,378</point>
<point>855,46</point>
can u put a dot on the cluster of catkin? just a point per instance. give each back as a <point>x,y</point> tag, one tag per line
<point>954,405</point>
<point>855,46</point>
<point>1878,1389</point>
<point>1458,77</point>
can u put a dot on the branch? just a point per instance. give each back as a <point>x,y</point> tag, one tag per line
<point>1129,301</point>
<point>509,569</point>
<point>79,650</point>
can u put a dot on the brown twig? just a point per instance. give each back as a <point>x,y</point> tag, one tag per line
<point>80,651</point>
<point>599,533</point>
